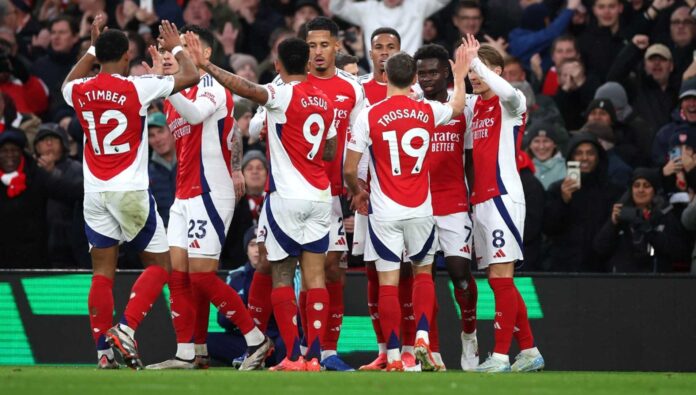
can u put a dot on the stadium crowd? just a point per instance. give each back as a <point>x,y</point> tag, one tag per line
<point>609,84</point>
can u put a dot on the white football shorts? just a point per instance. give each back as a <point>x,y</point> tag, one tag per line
<point>498,231</point>
<point>389,239</point>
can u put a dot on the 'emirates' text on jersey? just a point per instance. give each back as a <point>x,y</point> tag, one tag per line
<point>447,181</point>
<point>203,150</point>
<point>348,99</point>
<point>300,119</point>
<point>494,132</point>
<point>112,111</point>
<point>398,132</point>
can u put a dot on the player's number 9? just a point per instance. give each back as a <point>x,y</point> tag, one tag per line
<point>116,132</point>
<point>314,139</point>
<point>408,148</point>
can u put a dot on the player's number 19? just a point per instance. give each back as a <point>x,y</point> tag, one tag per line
<point>408,148</point>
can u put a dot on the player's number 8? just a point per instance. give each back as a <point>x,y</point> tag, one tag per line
<point>314,139</point>
<point>121,126</point>
<point>409,149</point>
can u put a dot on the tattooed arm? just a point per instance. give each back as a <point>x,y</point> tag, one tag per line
<point>234,83</point>
<point>330,149</point>
<point>236,162</point>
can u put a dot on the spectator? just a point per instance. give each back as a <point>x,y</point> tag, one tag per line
<point>258,21</point>
<point>535,35</point>
<point>67,243</point>
<point>534,213</point>
<point>619,172</point>
<point>603,38</point>
<point>576,91</point>
<point>682,29</point>
<point>562,48</point>
<point>245,66</point>
<point>26,26</point>
<point>24,192</point>
<point>347,63</point>
<point>626,140</point>
<point>26,90</point>
<point>654,87</point>
<point>255,170</point>
<point>467,18</point>
<point>575,213</point>
<point>679,176</point>
<point>541,109</point>
<point>643,233</point>
<point>431,33</point>
<point>162,164</point>
<point>199,13</point>
<point>688,220</point>
<point>541,141</point>
<point>266,69</point>
<point>53,67</point>
<point>243,112</point>
<point>406,16</point>
<point>305,11</point>
<point>683,118</point>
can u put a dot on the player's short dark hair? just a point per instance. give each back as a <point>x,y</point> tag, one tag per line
<point>432,51</point>
<point>72,23</point>
<point>204,34</point>
<point>293,53</point>
<point>401,69</point>
<point>343,59</point>
<point>386,30</point>
<point>490,56</point>
<point>111,45</point>
<point>470,4</point>
<point>319,23</point>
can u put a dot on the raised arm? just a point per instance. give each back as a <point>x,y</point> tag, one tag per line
<point>85,64</point>
<point>509,96</point>
<point>349,10</point>
<point>460,68</point>
<point>234,83</point>
<point>188,75</point>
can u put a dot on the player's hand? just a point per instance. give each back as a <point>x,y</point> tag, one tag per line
<point>499,44</point>
<point>193,44</point>
<point>239,184</point>
<point>169,36</point>
<point>672,167</point>
<point>662,4</point>
<point>688,160</point>
<point>574,4</point>
<point>568,187</point>
<point>641,41</point>
<point>471,47</point>
<point>157,62</point>
<point>349,224</point>
<point>615,213</point>
<point>463,57</point>
<point>359,202</point>
<point>98,26</point>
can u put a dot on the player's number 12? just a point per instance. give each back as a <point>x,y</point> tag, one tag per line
<point>121,126</point>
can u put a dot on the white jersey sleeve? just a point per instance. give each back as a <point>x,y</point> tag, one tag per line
<point>67,89</point>
<point>360,102</point>
<point>332,130</point>
<point>208,99</point>
<point>256,123</point>
<point>442,112</point>
<point>360,133</point>
<point>364,166</point>
<point>278,96</point>
<point>512,99</point>
<point>469,116</point>
<point>151,87</point>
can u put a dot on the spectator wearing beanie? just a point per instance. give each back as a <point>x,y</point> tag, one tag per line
<point>643,233</point>
<point>255,171</point>
<point>602,111</point>
<point>653,88</point>
<point>574,214</point>
<point>24,192</point>
<point>619,172</point>
<point>683,118</point>
<point>541,141</point>
<point>67,243</point>
<point>636,129</point>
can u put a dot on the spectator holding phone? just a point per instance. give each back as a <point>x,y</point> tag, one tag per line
<point>679,177</point>
<point>643,233</point>
<point>683,118</point>
<point>575,211</point>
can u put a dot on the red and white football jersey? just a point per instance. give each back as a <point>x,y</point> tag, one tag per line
<point>447,178</point>
<point>494,135</point>
<point>203,145</point>
<point>398,132</point>
<point>348,100</point>
<point>300,119</point>
<point>112,110</point>
<point>374,91</point>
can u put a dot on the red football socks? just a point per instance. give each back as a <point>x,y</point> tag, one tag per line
<point>335,318</point>
<point>505,313</point>
<point>224,298</point>
<point>145,291</point>
<point>303,314</point>
<point>408,319</point>
<point>390,314</point>
<point>372,302</point>
<point>523,332</point>
<point>101,306</point>
<point>317,315</point>
<point>181,299</point>
<point>260,306</point>
<point>201,309</point>
<point>423,301</point>
<point>285,313</point>
<point>466,299</point>
<point>434,334</point>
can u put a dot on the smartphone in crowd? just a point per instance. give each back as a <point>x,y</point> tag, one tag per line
<point>573,171</point>
<point>147,5</point>
<point>675,154</point>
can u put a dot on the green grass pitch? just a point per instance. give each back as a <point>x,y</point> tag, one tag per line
<point>16,380</point>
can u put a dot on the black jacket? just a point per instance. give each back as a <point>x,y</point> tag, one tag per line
<point>571,227</point>
<point>637,244</point>
<point>24,230</point>
<point>598,47</point>
<point>534,218</point>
